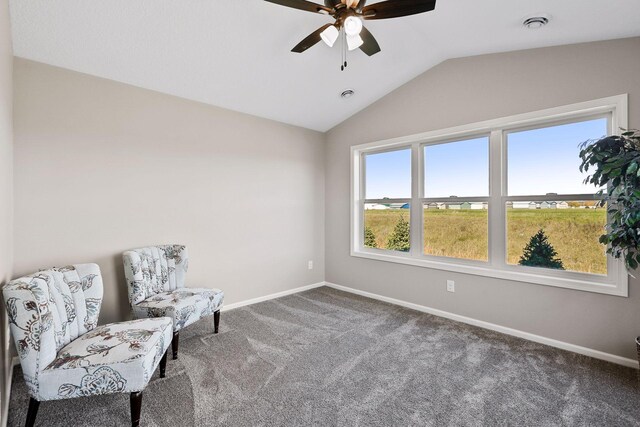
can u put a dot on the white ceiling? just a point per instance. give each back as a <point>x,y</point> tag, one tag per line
<point>236,53</point>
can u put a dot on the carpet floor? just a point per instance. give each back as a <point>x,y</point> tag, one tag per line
<point>330,358</point>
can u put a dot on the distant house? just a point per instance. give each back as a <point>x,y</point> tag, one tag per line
<point>563,205</point>
<point>433,205</point>
<point>459,206</point>
<point>375,207</point>
<point>398,206</point>
<point>479,205</point>
<point>548,205</point>
<point>523,205</point>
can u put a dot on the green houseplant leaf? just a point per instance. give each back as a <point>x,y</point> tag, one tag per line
<point>614,161</point>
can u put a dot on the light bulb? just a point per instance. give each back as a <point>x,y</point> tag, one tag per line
<point>354,42</point>
<point>329,35</point>
<point>352,26</point>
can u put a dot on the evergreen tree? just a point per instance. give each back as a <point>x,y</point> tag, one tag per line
<point>540,253</point>
<point>370,238</point>
<point>399,239</point>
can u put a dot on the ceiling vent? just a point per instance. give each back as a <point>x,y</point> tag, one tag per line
<point>535,22</point>
<point>347,94</point>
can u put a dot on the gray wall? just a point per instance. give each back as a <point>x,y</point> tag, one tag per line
<point>6,190</point>
<point>101,167</point>
<point>468,90</point>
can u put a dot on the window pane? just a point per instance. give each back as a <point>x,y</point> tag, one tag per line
<point>388,175</point>
<point>457,229</point>
<point>458,168</point>
<point>543,161</point>
<point>569,238</point>
<point>387,226</point>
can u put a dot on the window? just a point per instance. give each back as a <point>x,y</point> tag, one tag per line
<point>503,198</point>
<point>554,228</point>
<point>388,200</point>
<point>457,226</point>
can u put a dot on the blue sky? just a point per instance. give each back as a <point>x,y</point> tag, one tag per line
<point>546,160</point>
<point>540,161</point>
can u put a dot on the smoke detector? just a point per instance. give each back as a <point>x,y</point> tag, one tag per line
<point>347,94</point>
<point>535,22</point>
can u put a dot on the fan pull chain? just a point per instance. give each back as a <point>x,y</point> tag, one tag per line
<point>346,50</point>
<point>343,51</point>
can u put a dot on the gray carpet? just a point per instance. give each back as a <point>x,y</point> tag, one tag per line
<point>325,357</point>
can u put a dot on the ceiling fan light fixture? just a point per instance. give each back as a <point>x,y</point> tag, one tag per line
<point>352,26</point>
<point>354,42</point>
<point>330,35</point>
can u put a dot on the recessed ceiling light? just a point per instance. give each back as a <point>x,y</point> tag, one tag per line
<point>347,93</point>
<point>535,22</point>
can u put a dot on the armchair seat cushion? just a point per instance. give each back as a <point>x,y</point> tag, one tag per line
<point>183,305</point>
<point>113,358</point>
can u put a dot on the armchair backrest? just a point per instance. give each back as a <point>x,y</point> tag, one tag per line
<point>49,309</point>
<point>154,269</point>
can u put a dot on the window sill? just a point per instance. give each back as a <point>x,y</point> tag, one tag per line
<point>572,280</point>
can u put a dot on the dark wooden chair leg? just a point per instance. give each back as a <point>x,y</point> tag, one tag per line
<point>136,408</point>
<point>174,344</point>
<point>163,364</point>
<point>33,411</point>
<point>216,321</point>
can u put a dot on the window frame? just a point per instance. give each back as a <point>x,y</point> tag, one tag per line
<point>614,283</point>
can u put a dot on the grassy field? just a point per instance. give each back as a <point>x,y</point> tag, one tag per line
<point>463,233</point>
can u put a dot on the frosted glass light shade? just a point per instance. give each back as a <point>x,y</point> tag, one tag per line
<point>352,26</point>
<point>330,35</point>
<point>354,42</point>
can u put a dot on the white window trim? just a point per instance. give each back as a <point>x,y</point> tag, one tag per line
<point>615,283</point>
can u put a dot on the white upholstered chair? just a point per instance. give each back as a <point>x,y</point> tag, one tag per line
<point>53,317</point>
<point>155,277</point>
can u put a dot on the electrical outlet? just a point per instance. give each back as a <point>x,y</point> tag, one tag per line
<point>310,265</point>
<point>451,286</point>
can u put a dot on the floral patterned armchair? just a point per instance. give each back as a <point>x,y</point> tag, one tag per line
<point>53,317</point>
<point>155,277</point>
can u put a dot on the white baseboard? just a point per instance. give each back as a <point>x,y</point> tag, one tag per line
<point>597,354</point>
<point>227,307</point>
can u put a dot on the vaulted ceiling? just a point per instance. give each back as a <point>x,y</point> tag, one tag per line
<point>236,53</point>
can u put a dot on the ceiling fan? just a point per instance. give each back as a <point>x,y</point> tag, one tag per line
<point>348,15</point>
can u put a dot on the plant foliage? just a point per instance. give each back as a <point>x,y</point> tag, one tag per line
<point>614,161</point>
<point>540,253</point>
<point>399,238</point>
<point>369,238</point>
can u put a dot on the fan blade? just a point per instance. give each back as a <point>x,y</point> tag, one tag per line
<point>303,5</point>
<point>310,40</point>
<point>360,5</point>
<point>397,8</point>
<point>370,45</point>
<point>331,3</point>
